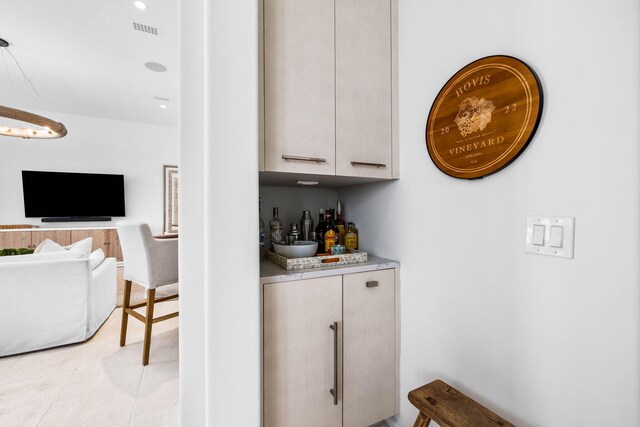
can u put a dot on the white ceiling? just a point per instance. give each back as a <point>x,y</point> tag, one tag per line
<point>84,57</point>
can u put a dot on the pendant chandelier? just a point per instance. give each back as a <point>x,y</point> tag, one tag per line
<point>50,128</point>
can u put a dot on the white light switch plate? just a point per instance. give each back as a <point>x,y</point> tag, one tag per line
<point>568,225</point>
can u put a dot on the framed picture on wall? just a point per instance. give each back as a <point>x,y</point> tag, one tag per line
<point>171,191</point>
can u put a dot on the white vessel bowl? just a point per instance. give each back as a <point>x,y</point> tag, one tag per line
<point>300,249</point>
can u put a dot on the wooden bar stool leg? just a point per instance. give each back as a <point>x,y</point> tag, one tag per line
<point>422,420</point>
<point>126,299</point>
<point>148,323</point>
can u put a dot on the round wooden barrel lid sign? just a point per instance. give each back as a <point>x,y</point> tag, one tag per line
<point>484,117</point>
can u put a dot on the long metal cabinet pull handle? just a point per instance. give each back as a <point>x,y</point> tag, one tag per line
<point>304,159</point>
<point>334,390</point>
<point>372,284</point>
<point>378,165</point>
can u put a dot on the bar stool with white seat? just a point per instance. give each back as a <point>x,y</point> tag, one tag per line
<point>150,263</point>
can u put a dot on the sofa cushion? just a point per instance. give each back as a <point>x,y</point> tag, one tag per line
<point>51,256</point>
<point>48,246</point>
<point>96,258</point>
<point>83,246</point>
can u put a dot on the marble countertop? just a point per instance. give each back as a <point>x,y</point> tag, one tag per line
<point>273,273</point>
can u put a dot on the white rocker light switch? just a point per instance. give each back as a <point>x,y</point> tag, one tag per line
<point>550,236</point>
<point>538,235</point>
<point>555,239</point>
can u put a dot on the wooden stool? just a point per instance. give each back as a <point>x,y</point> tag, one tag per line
<point>147,319</point>
<point>445,405</point>
<point>150,263</point>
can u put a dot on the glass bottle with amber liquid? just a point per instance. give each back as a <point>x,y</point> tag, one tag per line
<point>351,237</point>
<point>330,232</point>
<point>340,223</point>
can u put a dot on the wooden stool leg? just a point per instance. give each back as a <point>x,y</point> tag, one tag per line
<point>126,299</point>
<point>422,420</point>
<point>151,296</point>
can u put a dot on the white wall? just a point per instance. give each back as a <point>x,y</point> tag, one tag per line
<point>219,256</point>
<point>94,145</point>
<point>540,340</point>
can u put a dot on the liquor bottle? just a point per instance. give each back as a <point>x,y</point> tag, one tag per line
<point>340,223</point>
<point>261,228</point>
<point>319,233</point>
<point>351,237</point>
<point>330,232</point>
<point>306,225</point>
<point>276,232</point>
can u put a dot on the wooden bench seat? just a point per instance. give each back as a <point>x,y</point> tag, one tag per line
<point>445,405</point>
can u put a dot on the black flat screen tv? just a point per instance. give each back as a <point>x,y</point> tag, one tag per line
<point>66,196</point>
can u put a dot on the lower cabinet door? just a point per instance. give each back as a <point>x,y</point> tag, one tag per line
<point>103,238</point>
<point>112,244</point>
<point>99,238</point>
<point>301,362</point>
<point>369,347</point>
<point>15,239</point>
<point>61,237</point>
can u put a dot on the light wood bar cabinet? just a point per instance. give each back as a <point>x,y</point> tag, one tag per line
<point>330,350</point>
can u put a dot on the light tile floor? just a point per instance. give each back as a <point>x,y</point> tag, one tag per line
<point>96,383</point>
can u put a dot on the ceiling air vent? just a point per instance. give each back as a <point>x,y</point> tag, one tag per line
<point>145,28</point>
<point>161,98</point>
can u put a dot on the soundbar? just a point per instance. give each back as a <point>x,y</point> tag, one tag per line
<point>76,218</point>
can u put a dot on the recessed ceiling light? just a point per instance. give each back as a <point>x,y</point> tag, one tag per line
<point>155,66</point>
<point>163,106</point>
<point>140,4</point>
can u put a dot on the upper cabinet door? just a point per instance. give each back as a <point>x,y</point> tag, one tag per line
<point>369,363</point>
<point>363,88</point>
<point>299,86</point>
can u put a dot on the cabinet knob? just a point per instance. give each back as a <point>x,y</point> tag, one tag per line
<point>372,284</point>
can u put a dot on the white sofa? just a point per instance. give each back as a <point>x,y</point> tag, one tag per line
<point>51,299</point>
